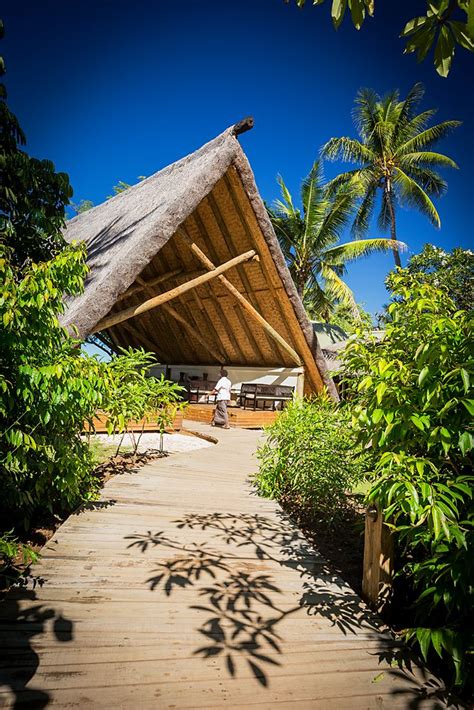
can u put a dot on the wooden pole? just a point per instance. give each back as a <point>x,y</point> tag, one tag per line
<point>156,301</point>
<point>378,558</point>
<point>246,305</point>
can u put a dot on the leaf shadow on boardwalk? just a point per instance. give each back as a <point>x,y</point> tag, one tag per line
<point>242,610</point>
<point>18,659</point>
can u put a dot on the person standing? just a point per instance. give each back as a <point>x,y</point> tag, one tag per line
<point>222,392</point>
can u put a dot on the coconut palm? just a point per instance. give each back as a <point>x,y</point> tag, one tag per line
<point>395,157</point>
<point>309,241</point>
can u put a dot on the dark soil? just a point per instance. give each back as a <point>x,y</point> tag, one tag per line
<point>340,542</point>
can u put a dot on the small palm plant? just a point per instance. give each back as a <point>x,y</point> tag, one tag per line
<point>395,157</point>
<point>309,241</point>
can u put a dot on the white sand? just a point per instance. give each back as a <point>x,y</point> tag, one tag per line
<point>173,443</point>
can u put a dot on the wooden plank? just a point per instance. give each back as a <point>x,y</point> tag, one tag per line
<point>156,301</point>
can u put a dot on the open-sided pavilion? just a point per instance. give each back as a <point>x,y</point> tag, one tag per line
<point>186,264</point>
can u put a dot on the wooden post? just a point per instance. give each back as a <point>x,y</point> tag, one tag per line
<point>378,558</point>
<point>120,316</point>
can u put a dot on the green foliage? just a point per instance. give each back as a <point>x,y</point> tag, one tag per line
<point>82,206</point>
<point>452,271</point>
<point>308,457</point>
<point>122,186</point>
<point>309,241</point>
<point>14,559</point>
<point>32,194</point>
<point>49,388</point>
<point>395,157</point>
<point>415,406</point>
<point>446,24</point>
<point>344,317</point>
<point>133,395</point>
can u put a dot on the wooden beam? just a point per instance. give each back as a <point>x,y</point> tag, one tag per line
<point>187,326</point>
<point>152,282</point>
<point>156,301</point>
<point>246,305</point>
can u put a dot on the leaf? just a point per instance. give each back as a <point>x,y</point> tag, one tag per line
<point>423,375</point>
<point>469,405</point>
<point>381,388</point>
<point>444,52</point>
<point>466,442</point>
<point>357,9</point>
<point>337,12</point>
<point>465,379</point>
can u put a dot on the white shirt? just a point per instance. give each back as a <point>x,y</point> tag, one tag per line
<point>223,389</point>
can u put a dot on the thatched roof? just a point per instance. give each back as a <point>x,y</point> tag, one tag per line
<point>143,235</point>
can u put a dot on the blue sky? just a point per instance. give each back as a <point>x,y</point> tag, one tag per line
<point>110,90</point>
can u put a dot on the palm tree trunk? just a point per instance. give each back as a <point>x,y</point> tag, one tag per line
<point>393,229</point>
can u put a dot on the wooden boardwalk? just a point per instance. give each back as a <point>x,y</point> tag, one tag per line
<point>183,589</point>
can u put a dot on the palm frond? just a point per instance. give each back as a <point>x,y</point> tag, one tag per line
<point>425,157</point>
<point>340,208</point>
<point>427,138</point>
<point>347,149</point>
<point>336,288</point>
<point>287,204</point>
<point>407,109</point>
<point>314,203</point>
<point>385,215</point>
<point>428,179</point>
<point>414,194</point>
<point>356,249</point>
<point>364,213</point>
<point>365,112</point>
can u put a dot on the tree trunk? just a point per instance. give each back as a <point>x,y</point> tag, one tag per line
<point>393,229</point>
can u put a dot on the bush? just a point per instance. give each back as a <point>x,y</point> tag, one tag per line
<point>415,410</point>
<point>49,388</point>
<point>308,456</point>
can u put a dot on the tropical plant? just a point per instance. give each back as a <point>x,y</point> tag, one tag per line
<point>133,395</point>
<point>446,24</point>
<point>414,409</point>
<point>308,458</point>
<point>309,241</point>
<point>450,270</point>
<point>32,194</point>
<point>49,388</point>
<point>394,152</point>
<point>343,316</point>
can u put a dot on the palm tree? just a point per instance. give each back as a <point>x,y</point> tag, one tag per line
<point>309,241</point>
<point>394,153</point>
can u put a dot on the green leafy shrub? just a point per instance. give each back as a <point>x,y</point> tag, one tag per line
<point>14,560</point>
<point>414,409</point>
<point>49,388</point>
<point>133,395</point>
<point>308,456</point>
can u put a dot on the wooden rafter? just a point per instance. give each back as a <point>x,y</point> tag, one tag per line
<point>156,301</point>
<point>246,305</point>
